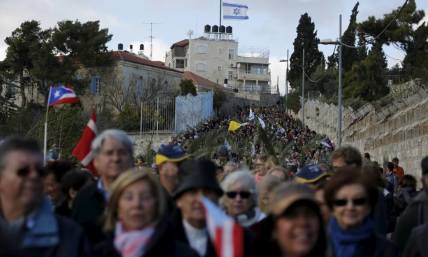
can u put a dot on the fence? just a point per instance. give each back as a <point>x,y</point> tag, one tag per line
<point>157,114</point>
<point>191,110</point>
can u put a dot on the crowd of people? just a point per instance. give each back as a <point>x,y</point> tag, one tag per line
<point>282,136</point>
<point>349,206</point>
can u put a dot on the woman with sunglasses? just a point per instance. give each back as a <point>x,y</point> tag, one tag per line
<point>240,198</point>
<point>351,197</point>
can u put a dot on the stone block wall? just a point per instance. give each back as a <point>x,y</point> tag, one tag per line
<point>398,129</point>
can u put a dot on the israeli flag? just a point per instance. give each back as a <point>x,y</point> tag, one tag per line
<point>235,11</point>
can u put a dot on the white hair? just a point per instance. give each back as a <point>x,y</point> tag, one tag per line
<point>115,134</point>
<point>244,178</point>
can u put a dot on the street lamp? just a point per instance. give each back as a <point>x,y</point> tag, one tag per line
<point>339,97</point>
<point>286,81</point>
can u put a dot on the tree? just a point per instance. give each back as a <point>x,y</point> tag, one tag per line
<point>219,99</point>
<point>415,64</point>
<point>187,87</point>
<point>367,78</point>
<point>37,58</point>
<point>306,39</point>
<point>23,44</point>
<point>350,55</point>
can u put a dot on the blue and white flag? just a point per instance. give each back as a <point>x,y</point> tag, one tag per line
<point>235,11</point>
<point>61,95</point>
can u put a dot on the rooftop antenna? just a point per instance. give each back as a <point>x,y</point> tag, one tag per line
<point>190,34</point>
<point>151,37</point>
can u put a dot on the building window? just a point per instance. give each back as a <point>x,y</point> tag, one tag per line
<point>219,68</point>
<point>179,64</point>
<point>202,49</point>
<point>95,86</point>
<point>230,75</point>
<point>201,67</point>
<point>231,54</point>
<point>98,85</point>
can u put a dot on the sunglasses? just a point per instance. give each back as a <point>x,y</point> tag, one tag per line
<point>243,195</point>
<point>356,202</point>
<point>24,171</point>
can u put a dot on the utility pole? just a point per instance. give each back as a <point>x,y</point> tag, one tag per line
<point>221,3</point>
<point>340,107</point>
<point>286,82</point>
<point>303,87</point>
<point>340,90</point>
<point>286,85</point>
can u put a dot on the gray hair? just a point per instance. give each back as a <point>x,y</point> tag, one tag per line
<point>116,134</point>
<point>244,178</point>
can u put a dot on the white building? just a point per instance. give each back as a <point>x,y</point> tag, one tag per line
<point>215,57</point>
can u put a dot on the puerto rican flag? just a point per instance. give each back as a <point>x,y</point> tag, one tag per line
<point>82,151</point>
<point>226,235</point>
<point>61,95</point>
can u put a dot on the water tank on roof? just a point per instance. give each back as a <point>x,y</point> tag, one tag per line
<point>229,29</point>
<point>215,29</point>
<point>120,47</point>
<point>141,47</point>
<point>207,28</point>
<point>222,29</point>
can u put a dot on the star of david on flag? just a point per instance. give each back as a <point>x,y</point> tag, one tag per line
<point>235,11</point>
<point>61,95</point>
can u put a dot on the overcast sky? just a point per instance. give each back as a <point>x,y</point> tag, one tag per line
<point>271,25</point>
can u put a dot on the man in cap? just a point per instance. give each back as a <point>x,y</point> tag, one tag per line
<point>311,175</point>
<point>27,222</point>
<point>167,161</point>
<point>416,212</point>
<point>113,151</point>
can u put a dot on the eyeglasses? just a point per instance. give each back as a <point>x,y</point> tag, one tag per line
<point>242,194</point>
<point>24,171</point>
<point>355,202</point>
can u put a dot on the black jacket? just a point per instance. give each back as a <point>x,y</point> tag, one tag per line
<point>162,244</point>
<point>73,243</point>
<point>88,209</point>
<point>417,243</point>
<point>176,223</point>
<point>414,215</point>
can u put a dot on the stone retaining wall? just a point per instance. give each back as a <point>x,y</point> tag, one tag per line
<point>397,129</point>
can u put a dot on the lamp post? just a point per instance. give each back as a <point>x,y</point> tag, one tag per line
<point>286,82</point>
<point>340,44</point>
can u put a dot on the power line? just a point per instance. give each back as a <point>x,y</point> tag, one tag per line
<point>392,20</point>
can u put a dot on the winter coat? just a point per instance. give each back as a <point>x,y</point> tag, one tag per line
<point>176,223</point>
<point>414,215</point>
<point>161,244</point>
<point>48,235</point>
<point>417,243</point>
<point>88,209</point>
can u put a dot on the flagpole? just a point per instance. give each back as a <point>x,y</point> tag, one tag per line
<point>45,139</point>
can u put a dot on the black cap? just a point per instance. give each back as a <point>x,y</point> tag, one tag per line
<point>197,174</point>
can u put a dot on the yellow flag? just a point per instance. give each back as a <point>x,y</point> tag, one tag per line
<point>233,125</point>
